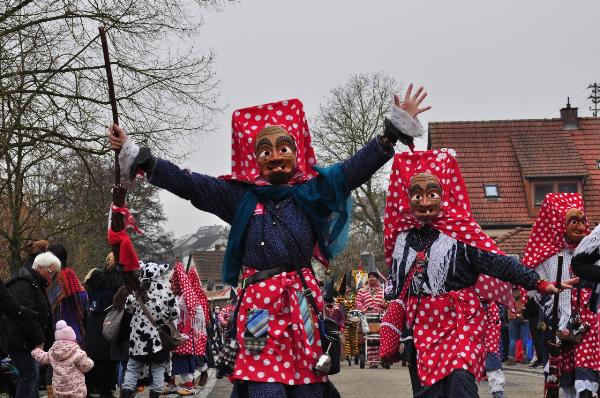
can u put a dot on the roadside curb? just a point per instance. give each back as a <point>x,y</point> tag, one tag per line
<point>530,371</point>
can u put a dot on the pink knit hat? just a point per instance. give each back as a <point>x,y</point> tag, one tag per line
<point>64,332</point>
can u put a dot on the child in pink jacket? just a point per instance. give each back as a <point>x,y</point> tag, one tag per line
<point>69,363</point>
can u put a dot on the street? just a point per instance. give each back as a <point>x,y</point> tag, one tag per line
<point>353,382</point>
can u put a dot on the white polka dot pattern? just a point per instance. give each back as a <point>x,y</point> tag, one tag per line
<point>288,353</point>
<point>452,340</point>
<point>547,235</point>
<point>248,122</point>
<point>455,220</point>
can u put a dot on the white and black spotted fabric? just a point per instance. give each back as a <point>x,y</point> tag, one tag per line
<point>144,339</point>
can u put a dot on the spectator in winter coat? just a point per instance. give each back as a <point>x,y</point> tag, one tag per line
<point>101,286</point>
<point>69,363</point>
<point>145,347</point>
<point>28,288</point>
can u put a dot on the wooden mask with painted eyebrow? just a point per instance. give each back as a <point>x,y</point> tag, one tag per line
<point>575,225</point>
<point>275,152</point>
<point>425,194</point>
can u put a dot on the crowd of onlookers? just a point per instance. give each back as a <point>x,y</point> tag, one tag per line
<point>51,329</point>
<point>522,332</point>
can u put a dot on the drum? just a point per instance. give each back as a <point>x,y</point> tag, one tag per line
<point>374,322</point>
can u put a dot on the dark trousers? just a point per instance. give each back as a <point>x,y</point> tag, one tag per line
<point>536,338</point>
<point>28,374</point>
<point>255,389</point>
<point>103,377</point>
<point>459,383</point>
<point>504,341</point>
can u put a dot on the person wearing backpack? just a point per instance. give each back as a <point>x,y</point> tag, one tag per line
<point>101,285</point>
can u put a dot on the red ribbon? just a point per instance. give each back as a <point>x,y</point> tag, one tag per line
<point>129,219</point>
<point>127,255</point>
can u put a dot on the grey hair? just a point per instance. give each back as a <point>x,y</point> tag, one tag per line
<point>45,260</point>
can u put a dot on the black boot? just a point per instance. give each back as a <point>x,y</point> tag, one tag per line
<point>586,394</point>
<point>154,394</point>
<point>126,394</point>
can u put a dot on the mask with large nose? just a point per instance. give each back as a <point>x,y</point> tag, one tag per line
<point>425,194</point>
<point>575,225</point>
<point>275,152</point>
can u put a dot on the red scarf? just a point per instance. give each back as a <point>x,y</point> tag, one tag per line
<point>246,123</point>
<point>455,219</point>
<point>548,234</point>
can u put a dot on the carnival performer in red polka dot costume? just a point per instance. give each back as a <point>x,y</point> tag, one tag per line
<point>437,252</point>
<point>560,227</point>
<point>283,209</point>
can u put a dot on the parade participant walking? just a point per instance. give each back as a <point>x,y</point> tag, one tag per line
<point>332,309</point>
<point>145,346</point>
<point>282,208</point>
<point>560,226</point>
<point>69,363</point>
<point>192,322</point>
<point>370,301</point>
<point>438,252</point>
<point>351,321</point>
<point>493,362</point>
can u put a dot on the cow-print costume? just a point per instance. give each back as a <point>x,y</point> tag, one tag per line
<point>144,339</point>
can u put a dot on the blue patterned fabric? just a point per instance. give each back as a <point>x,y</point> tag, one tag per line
<point>258,322</point>
<point>318,198</point>
<point>278,390</point>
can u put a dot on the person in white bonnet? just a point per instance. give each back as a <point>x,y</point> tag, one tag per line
<point>69,363</point>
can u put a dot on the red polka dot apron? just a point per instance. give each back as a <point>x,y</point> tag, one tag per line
<point>584,354</point>
<point>455,219</point>
<point>448,334</point>
<point>288,356</point>
<point>492,328</point>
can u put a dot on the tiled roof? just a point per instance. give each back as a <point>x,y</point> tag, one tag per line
<point>208,264</point>
<point>486,153</point>
<point>514,241</point>
<point>547,155</point>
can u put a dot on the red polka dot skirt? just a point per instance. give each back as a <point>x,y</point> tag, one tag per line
<point>448,334</point>
<point>587,353</point>
<point>492,327</point>
<point>288,356</point>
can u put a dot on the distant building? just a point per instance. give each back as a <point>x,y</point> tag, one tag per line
<point>208,264</point>
<point>206,238</point>
<point>510,165</point>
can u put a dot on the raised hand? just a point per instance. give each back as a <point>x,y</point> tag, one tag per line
<point>411,103</point>
<point>116,142</point>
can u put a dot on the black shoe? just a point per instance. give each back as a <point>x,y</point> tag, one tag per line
<point>154,394</point>
<point>586,394</point>
<point>126,394</point>
<point>536,364</point>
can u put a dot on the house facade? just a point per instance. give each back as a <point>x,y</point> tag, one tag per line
<point>510,165</point>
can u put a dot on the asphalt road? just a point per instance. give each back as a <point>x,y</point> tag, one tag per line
<point>353,382</point>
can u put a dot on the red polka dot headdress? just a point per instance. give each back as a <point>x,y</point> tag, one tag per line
<point>455,219</point>
<point>548,234</point>
<point>246,123</point>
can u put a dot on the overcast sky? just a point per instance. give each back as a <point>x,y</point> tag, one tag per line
<point>477,59</point>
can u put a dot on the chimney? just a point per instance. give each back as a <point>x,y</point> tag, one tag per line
<point>569,118</point>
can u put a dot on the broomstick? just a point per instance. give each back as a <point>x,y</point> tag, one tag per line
<point>552,382</point>
<point>189,263</point>
<point>119,192</point>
